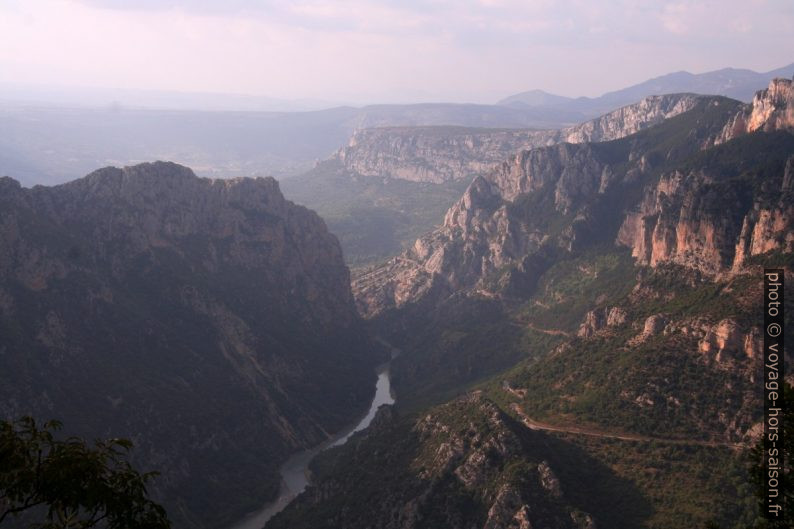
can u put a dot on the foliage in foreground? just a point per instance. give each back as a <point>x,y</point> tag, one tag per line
<point>51,483</point>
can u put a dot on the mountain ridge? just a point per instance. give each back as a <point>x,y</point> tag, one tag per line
<point>48,144</point>
<point>210,321</point>
<point>438,154</point>
<point>607,293</point>
<point>498,238</point>
<point>736,83</point>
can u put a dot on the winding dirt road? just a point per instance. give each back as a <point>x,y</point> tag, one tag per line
<point>552,332</point>
<point>577,430</point>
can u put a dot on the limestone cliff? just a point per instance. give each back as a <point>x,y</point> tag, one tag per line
<point>524,280</point>
<point>692,220</point>
<point>211,321</point>
<point>483,232</point>
<point>598,319</point>
<point>768,226</point>
<point>722,205</point>
<point>439,154</point>
<point>491,232</point>
<point>771,109</point>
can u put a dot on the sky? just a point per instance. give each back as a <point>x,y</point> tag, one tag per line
<point>360,51</point>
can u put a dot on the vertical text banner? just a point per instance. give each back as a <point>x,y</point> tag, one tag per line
<point>773,394</point>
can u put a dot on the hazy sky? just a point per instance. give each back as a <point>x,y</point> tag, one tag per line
<point>392,50</point>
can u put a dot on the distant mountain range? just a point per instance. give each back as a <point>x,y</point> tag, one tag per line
<point>64,139</point>
<point>51,145</point>
<point>731,82</point>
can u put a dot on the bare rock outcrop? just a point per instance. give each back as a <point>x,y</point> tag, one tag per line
<point>768,227</point>
<point>495,238</point>
<point>439,154</point>
<point>727,341</point>
<point>654,325</point>
<point>508,511</point>
<point>688,220</point>
<point>771,109</point>
<point>601,318</point>
<point>549,480</point>
<point>475,453</point>
<point>481,234</point>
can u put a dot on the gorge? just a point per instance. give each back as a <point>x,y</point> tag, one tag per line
<point>576,312</point>
<point>603,290</point>
<point>294,472</point>
<point>141,292</point>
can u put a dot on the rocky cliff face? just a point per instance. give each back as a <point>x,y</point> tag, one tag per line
<point>439,154</point>
<point>138,209</point>
<point>483,233</point>
<point>494,237</point>
<point>211,321</point>
<point>771,109</point>
<point>722,206</point>
<point>693,219</point>
<point>630,119</point>
<point>689,219</point>
<point>601,318</point>
<point>524,274</point>
<point>433,154</point>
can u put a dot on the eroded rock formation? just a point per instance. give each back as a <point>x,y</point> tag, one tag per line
<point>438,154</point>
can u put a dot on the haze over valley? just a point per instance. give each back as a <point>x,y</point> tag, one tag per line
<point>361,264</point>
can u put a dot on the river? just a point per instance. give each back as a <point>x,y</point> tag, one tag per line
<point>294,470</point>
